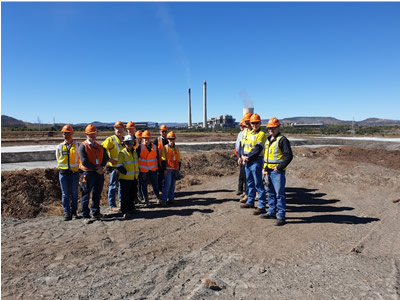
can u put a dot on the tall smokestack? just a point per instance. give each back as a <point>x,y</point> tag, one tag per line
<point>190,112</point>
<point>205,104</point>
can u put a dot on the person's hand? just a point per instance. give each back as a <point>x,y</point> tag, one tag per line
<point>100,171</point>
<point>239,161</point>
<point>276,169</point>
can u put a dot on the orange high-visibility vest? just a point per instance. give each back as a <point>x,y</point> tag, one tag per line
<point>94,154</point>
<point>172,157</point>
<point>148,159</point>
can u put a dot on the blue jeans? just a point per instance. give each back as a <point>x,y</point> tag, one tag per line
<point>94,182</point>
<point>152,176</point>
<point>112,188</point>
<point>169,186</point>
<point>276,193</point>
<point>69,189</point>
<point>253,171</point>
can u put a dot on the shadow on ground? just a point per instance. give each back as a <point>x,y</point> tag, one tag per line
<point>302,200</point>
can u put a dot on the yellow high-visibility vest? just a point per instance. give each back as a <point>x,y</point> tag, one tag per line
<point>130,162</point>
<point>68,159</point>
<point>253,139</point>
<point>273,154</point>
<point>113,146</point>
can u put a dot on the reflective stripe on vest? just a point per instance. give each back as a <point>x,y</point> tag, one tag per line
<point>94,155</point>
<point>172,158</point>
<point>130,164</point>
<point>273,155</point>
<point>253,139</point>
<point>148,159</point>
<point>65,157</point>
<point>117,145</point>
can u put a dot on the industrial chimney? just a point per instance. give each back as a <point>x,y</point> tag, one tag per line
<point>190,113</point>
<point>205,104</point>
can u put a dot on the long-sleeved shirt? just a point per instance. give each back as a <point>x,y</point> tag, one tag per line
<point>84,158</point>
<point>286,149</point>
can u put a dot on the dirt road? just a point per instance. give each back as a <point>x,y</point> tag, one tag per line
<point>342,241</point>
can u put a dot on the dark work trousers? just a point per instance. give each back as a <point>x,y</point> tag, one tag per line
<point>242,185</point>
<point>128,194</point>
<point>160,179</point>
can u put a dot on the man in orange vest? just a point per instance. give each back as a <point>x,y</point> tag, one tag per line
<point>160,142</point>
<point>113,145</point>
<point>68,165</point>
<point>93,160</point>
<point>171,164</point>
<point>148,165</point>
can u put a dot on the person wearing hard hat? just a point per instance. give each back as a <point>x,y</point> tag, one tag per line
<point>170,164</point>
<point>138,136</point>
<point>246,130</point>
<point>128,169</point>
<point>131,128</point>
<point>253,157</point>
<point>93,158</point>
<point>113,145</point>
<point>160,142</point>
<point>68,166</point>
<point>278,155</point>
<point>147,153</point>
<point>242,185</point>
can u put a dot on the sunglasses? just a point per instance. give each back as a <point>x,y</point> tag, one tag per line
<point>163,131</point>
<point>254,123</point>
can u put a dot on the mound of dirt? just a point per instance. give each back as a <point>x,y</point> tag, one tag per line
<point>37,192</point>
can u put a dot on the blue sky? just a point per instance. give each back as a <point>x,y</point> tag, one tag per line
<point>101,61</point>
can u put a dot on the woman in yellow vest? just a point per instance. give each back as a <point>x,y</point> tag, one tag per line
<point>128,168</point>
<point>68,165</point>
<point>278,155</point>
<point>171,164</point>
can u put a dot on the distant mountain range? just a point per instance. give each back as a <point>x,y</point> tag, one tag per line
<point>7,121</point>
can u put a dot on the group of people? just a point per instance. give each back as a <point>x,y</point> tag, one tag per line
<point>132,160</point>
<point>263,161</point>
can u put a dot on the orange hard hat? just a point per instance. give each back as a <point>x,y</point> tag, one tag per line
<point>273,122</point>
<point>146,134</point>
<point>171,135</point>
<point>118,124</point>
<point>163,127</point>
<point>247,116</point>
<point>67,128</point>
<point>130,125</point>
<point>255,118</point>
<point>138,134</point>
<point>90,129</point>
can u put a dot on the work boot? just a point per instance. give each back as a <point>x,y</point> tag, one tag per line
<point>115,209</point>
<point>267,216</point>
<point>97,216</point>
<point>244,200</point>
<point>67,217</point>
<point>239,193</point>
<point>259,211</point>
<point>159,201</point>
<point>147,201</point>
<point>246,205</point>
<point>87,220</point>
<point>163,204</point>
<point>171,202</point>
<point>75,215</point>
<point>280,222</point>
